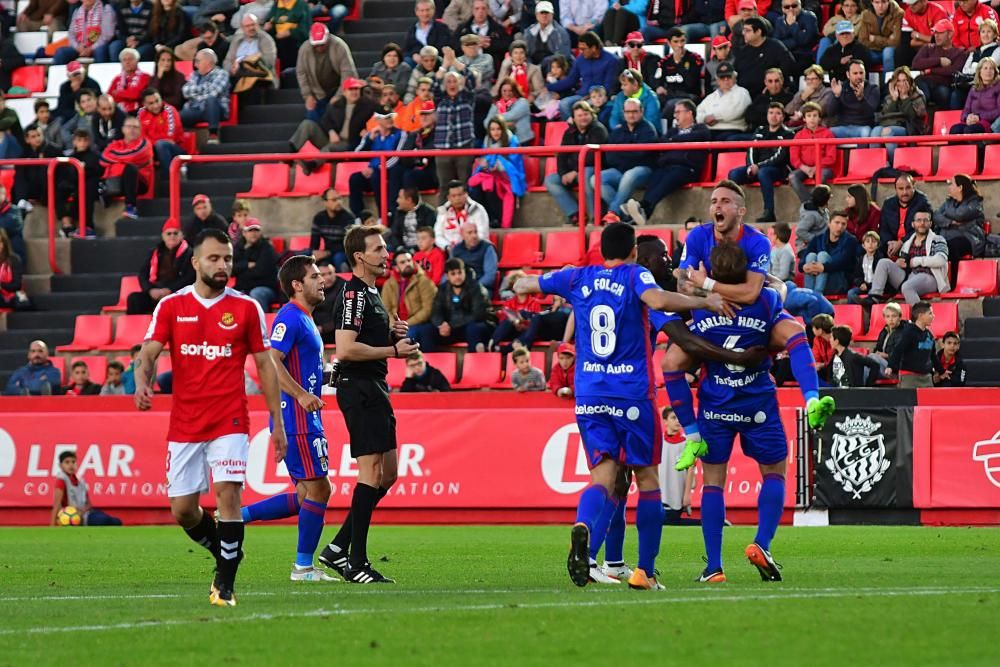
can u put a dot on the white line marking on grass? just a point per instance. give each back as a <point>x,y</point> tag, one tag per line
<point>653,599</point>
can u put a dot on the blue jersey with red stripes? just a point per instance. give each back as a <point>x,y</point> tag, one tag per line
<point>295,335</point>
<point>701,240</point>
<point>613,349</point>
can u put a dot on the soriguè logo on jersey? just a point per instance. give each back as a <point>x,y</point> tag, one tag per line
<point>210,352</point>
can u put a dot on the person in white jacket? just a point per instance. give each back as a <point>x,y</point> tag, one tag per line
<point>724,110</point>
<point>459,209</point>
<point>921,268</point>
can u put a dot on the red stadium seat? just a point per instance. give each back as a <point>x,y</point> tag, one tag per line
<point>561,248</point>
<point>269,179</point>
<point>185,67</point>
<point>446,362</point>
<point>726,162</point>
<point>943,120</point>
<point>554,131</point>
<point>307,185</point>
<point>976,278</point>
<point>7,179</point>
<point>862,163</point>
<point>60,364</point>
<point>532,174</point>
<point>269,321</point>
<point>31,77</point>
<point>129,330</point>
<point>96,364</point>
<point>521,249</point>
<point>537,360</point>
<point>278,244</point>
<point>90,333</point>
<point>850,315</point>
<point>667,235</point>
<point>397,372</point>
<point>956,159</point>
<point>300,242</point>
<point>344,171</point>
<point>128,285</point>
<point>945,318</point>
<point>878,322</point>
<point>480,371</point>
<point>916,158</point>
<point>991,163</point>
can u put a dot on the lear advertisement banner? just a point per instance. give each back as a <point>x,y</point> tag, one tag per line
<point>956,457</point>
<point>503,458</point>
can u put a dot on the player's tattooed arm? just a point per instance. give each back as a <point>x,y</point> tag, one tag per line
<point>528,285</point>
<point>145,365</point>
<point>658,299</point>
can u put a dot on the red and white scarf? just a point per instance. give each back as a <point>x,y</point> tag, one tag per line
<point>520,75</point>
<point>154,263</point>
<point>87,25</point>
<point>635,64</point>
<point>503,106</point>
<point>6,275</point>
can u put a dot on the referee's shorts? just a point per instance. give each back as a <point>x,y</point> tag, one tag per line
<point>368,414</point>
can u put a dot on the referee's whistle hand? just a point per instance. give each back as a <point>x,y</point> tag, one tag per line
<point>400,328</point>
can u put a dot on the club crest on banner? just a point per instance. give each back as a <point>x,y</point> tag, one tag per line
<point>988,452</point>
<point>857,456</point>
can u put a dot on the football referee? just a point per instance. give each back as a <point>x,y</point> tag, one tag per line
<point>365,339</point>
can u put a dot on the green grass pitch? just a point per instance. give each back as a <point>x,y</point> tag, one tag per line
<point>500,596</point>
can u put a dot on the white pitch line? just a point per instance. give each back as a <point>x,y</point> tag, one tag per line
<point>653,599</point>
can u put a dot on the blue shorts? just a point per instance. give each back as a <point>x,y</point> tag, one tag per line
<point>624,430</point>
<point>762,435</point>
<point>306,457</point>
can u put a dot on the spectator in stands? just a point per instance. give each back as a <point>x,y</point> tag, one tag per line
<point>473,63</point>
<point>461,313</point>
<point>385,137</point>
<point>342,124</point>
<point>904,111</point>
<point>850,11</point>
<point>209,38</point>
<point>864,269</point>
<point>204,218</point>
<point>814,215</point>
<point>32,183</point>
<point>498,181</point>
<point>848,368</point>
<point>594,66</point>
<point>46,124</point>
<point>455,13</point>
<point>798,30</point>
<point>239,217</point>
<point>830,257</point>
<point>515,111</point>
<point>526,75</point>
<point>423,92</point>
<point>660,17</point>
<point>988,33</point>
<point>913,355</point>
<point>837,60</point>
<point>738,13</point>
<point>169,25</point>
<point>70,91</point>
<point>167,80</point>
<point>478,255</point>
<point>252,59</point>
<point>421,172</point>
<point>459,209</point>
<point>967,19</point>
<point>855,101</point>
<point>982,106</point>
<point>881,32</point>
<point>678,75</point>
<point>113,385</point>
<point>167,269</point>
<point>897,214</point>
<point>949,367</point>
<point>517,311</point>
<point>134,18</point>
<point>721,52</point>
<point>128,377</point>
<point>525,376</point>
<point>562,380</point>
<point>80,384</point>
<point>494,38</point>
<point>782,257</point>
<point>39,377</point>
<point>674,169</point>
<point>207,95</point>
<point>802,157</point>
<point>421,377</point>
<point>288,23</point>
<point>766,165</point>
<point>626,171</point>
<point>507,12</point>
<point>584,129</point>
<point>621,19</point>
<point>10,59</point>
<point>634,87</point>
<point>91,29</point>
<point>11,134</point>
<point>426,31</point>
<point>408,294</point>
<point>429,256</point>
<point>322,65</point>
<point>131,160</point>
<point>255,265</point>
<point>960,221</point>
<point>815,91</point>
<point>863,215</point>
<point>455,105</point>
<point>48,15</point>
<point>426,67</point>
<point>724,110</point>
<point>760,54</point>
<point>66,185</point>
<point>887,337</point>
<point>774,91</point>
<point>938,63</point>
<point>920,268</point>
<point>161,125</point>
<point>411,214</point>
<point>325,314</point>
<point>821,326</point>
<point>634,56</point>
<point>106,124</point>
<point>392,69</point>
<point>546,38</point>
<point>259,8</point>
<point>597,96</point>
<point>126,88</point>
<point>12,293</point>
<point>920,17</point>
<point>329,227</point>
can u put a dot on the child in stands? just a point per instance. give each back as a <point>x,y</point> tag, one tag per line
<point>525,376</point>
<point>950,369</point>
<point>562,381</point>
<point>113,385</point>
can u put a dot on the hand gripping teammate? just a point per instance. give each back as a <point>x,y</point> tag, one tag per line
<point>211,330</point>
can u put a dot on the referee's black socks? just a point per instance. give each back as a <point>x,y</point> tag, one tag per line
<point>230,552</point>
<point>362,506</point>
<point>205,534</point>
<point>342,540</point>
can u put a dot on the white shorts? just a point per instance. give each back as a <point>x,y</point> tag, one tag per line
<point>671,481</point>
<point>188,463</point>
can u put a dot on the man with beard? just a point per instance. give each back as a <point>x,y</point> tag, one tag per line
<point>297,350</point>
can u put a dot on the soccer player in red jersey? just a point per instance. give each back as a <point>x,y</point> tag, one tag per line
<point>210,330</point>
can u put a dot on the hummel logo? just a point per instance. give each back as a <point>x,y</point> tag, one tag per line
<point>187,319</point>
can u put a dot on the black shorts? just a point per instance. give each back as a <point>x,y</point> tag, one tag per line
<point>368,414</point>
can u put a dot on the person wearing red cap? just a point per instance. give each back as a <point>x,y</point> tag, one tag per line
<point>76,82</point>
<point>167,269</point>
<point>937,64</point>
<point>634,56</point>
<point>204,218</point>
<point>735,8</point>
<point>561,381</point>
<point>919,16</point>
<point>721,51</point>
<point>324,62</point>
<point>622,18</point>
<point>745,10</point>
<point>342,123</point>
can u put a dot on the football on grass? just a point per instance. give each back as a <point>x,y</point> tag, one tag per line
<point>70,516</point>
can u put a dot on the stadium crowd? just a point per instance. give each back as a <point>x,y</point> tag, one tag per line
<point>493,74</point>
